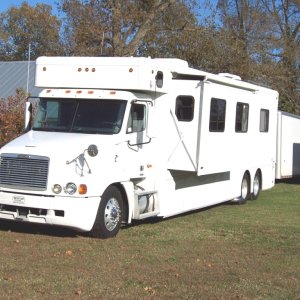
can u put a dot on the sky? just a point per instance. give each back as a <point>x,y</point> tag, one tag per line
<point>6,4</point>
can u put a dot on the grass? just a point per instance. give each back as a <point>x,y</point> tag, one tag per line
<point>247,251</point>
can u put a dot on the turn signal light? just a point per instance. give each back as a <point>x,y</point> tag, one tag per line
<point>82,189</point>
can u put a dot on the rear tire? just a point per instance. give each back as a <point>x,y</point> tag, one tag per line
<point>256,185</point>
<point>109,215</point>
<point>245,190</point>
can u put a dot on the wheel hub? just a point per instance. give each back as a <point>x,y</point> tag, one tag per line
<point>112,214</point>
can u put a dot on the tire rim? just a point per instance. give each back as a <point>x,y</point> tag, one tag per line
<point>112,214</point>
<point>256,186</point>
<point>244,192</point>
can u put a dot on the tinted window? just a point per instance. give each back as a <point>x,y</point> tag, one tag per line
<point>82,116</point>
<point>217,115</point>
<point>241,118</point>
<point>264,120</point>
<point>184,108</point>
<point>137,118</point>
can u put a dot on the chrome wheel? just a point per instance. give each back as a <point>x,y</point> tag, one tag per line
<point>109,215</point>
<point>112,214</point>
<point>256,185</point>
<point>245,188</point>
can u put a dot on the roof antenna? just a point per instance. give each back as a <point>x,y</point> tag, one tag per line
<point>28,68</point>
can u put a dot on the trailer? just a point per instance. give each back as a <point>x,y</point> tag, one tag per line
<point>288,145</point>
<point>122,139</point>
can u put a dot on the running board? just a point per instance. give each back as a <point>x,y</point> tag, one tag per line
<point>148,215</point>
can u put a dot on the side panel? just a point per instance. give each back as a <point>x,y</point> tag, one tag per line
<point>288,146</point>
<point>230,150</point>
<point>237,152</point>
<point>91,72</point>
<point>222,157</point>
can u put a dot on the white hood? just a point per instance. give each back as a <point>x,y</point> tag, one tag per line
<point>50,143</point>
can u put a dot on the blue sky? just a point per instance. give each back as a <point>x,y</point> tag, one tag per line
<point>6,4</point>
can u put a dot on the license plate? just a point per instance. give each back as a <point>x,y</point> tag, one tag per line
<point>18,199</point>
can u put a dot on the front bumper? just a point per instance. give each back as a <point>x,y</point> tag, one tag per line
<point>74,212</point>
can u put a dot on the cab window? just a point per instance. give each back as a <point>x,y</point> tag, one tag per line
<point>137,118</point>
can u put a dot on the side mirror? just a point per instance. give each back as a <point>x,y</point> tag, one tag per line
<point>28,116</point>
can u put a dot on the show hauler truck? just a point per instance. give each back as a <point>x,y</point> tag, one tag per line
<point>122,139</point>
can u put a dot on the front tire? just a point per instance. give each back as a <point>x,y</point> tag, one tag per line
<point>109,216</point>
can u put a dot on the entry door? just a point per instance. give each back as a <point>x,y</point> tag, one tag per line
<point>184,112</point>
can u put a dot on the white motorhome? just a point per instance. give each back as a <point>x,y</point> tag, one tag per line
<point>122,139</point>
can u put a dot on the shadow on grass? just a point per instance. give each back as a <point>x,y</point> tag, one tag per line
<point>155,220</point>
<point>30,228</point>
<point>294,180</point>
<point>57,231</point>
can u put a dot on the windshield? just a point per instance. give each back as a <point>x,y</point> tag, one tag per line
<point>81,116</point>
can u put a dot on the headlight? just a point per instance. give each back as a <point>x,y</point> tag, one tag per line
<point>56,189</point>
<point>71,188</point>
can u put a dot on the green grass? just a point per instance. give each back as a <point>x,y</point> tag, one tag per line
<point>249,251</point>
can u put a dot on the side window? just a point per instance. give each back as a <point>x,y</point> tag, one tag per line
<point>217,115</point>
<point>137,118</point>
<point>159,79</point>
<point>264,120</point>
<point>184,108</point>
<point>241,117</point>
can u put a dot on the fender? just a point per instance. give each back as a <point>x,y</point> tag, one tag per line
<point>129,190</point>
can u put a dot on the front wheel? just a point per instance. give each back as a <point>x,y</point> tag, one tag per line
<point>109,215</point>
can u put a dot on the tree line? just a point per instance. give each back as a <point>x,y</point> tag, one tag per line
<point>258,40</point>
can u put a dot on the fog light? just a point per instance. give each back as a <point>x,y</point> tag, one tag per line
<point>56,189</point>
<point>71,188</point>
<point>82,189</point>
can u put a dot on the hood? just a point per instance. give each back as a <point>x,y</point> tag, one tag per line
<point>50,143</point>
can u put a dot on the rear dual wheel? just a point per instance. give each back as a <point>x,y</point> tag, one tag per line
<point>256,185</point>
<point>246,186</point>
<point>245,189</point>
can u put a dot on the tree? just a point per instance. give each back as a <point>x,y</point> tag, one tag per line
<point>168,34</point>
<point>12,116</point>
<point>265,36</point>
<point>116,27</point>
<point>243,32</point>
<point>26,25</point>
<point>285,41</point>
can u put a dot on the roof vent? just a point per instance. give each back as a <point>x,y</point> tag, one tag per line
<point>231,76</point>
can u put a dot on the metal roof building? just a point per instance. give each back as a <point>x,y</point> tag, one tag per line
<point>14,74</point>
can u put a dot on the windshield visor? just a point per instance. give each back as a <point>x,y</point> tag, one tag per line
<point>80,115</point>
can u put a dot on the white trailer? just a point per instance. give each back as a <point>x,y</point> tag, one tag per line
<point>288,145</point>
<point>118,139</point>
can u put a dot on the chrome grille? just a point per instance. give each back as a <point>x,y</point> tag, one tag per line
<point>26,172</point>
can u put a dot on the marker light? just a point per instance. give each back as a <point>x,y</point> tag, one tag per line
<point>56,189</point>
<point>71,188</point>
<point>82,189</point>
